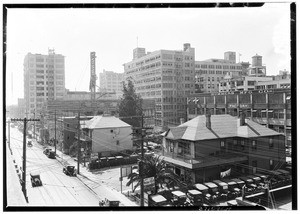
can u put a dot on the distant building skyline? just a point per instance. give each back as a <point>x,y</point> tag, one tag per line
<point>73,33</point>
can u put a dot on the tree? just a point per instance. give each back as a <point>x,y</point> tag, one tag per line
<point>130,105</point>
<point>155,166</point>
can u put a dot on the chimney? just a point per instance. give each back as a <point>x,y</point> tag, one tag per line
<point>242,119</point>
<point>208,121</point>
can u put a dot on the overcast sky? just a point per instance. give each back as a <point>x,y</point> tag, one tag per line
<point>112,34</point>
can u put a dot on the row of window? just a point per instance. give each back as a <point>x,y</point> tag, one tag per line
<point>233,67</point>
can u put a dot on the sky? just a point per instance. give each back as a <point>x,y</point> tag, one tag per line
<point>114,33</point>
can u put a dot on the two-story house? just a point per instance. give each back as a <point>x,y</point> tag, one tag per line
<point>204,147</point>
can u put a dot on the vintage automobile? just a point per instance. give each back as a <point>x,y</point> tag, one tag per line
<point>51,155</point>
<point>179,198</point>
<point>250,186</point>
<point>223,189</point>
<point>213,190</point>
<point>207,198</point>
<point>257,181</point>
<point>35,180</point>
<point>239,182</point>
<point>195,197</point>
<point>157,201</point>
<point>109,202</point>
<point>29,143</point>
<point>46,151</point>
<point>233,187</point>
<point>69,170</point>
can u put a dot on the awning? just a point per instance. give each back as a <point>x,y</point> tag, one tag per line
<point>288,97</point>
<point>263,111</point>
<point>254,110</point>
<point>270,110</point>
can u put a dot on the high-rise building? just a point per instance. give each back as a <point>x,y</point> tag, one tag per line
<point>111,82</point>
<point>44,79</point>
<point>210,72</point>
<point>167,76</point>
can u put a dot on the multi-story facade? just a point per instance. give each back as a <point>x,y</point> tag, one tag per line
<point>44,79</point>
<point>168,76</point>
<point>271,108</point>
<point>283,80</point>
<point>210,72</point>
<point>204,147</point>
<point>241,83</point>
<point>111,82</point>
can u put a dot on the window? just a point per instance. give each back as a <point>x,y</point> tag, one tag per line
<point>254,145</point>
<point>271,143</point>
<point>222,144</point>
<point>243,144</point>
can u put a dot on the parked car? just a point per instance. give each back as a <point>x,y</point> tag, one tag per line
<point>69,170</point>
<point>109,202</point>
<point>51,155</point>
<point>157,201</point>
<point>207,198</point>
<point>35,180</point>
<point>250,186</point>
<point>46,151</point>
<point>195,197</point>
<point>223,189</point>
<point>213,190</point>
<point>257,181</point>
<point>179,198</point>
<point>233,187</point>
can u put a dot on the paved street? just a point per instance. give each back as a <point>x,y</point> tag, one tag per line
<point>61,190</point>
<point>58,189</point>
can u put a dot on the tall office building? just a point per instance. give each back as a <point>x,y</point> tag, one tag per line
<point>210,72</point>
<point>167,76</point>
<point>111,82</point>
<point>44,79</point>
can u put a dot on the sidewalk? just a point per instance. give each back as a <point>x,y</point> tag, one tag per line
<point>14,195</point>
<point>96,181</point>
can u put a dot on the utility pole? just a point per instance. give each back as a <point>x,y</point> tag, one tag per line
<point>25,120</point>
<point>55,132</point>
<point>34,126</point>
<point>78,144</point>
<point>142,164</point>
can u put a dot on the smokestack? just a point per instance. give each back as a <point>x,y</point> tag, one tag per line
<point>242,119</point>
<point>208,121</point>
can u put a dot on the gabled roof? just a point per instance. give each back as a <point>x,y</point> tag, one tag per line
<point>103,122</point>
<point>222,126</point>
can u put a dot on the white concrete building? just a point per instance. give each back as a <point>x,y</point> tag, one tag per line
<point>44,79</point>
<point>111,82</point>
<point>167,76</point>
<point>109,135</point>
